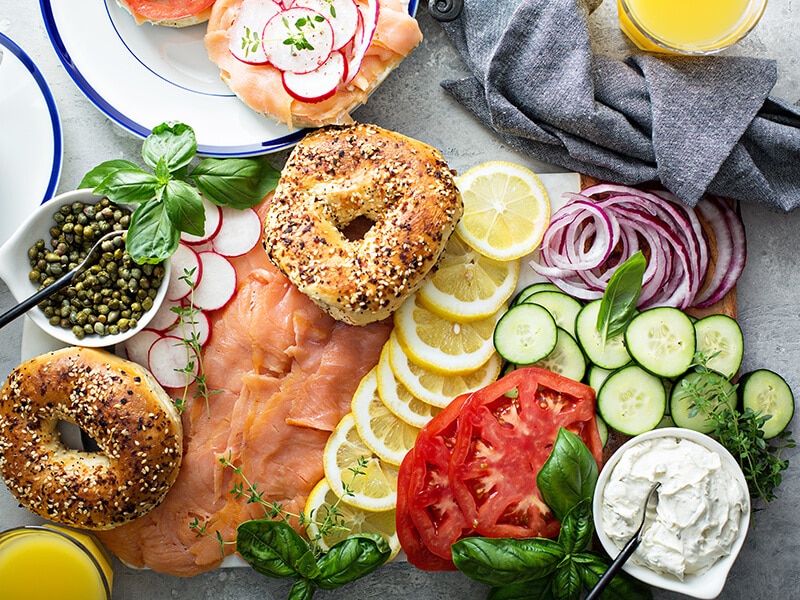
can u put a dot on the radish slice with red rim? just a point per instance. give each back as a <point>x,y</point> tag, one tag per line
<point>194,324</point>
<point>185,272</point>
<point>298,39</point>
<point>138,347</point>
<point>342,15</point>
<point>218,283</point>
<point>166,316</point>
<point>245,41</point>
<point>167,360</point>
<point>368,22</point>
<point>319,84</point>
<point>211,225</point>
<point>239,233</point>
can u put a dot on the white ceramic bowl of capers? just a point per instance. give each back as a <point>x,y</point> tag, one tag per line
<point>109,301</point>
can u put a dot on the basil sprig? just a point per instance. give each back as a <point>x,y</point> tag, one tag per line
<point>541,568</point>
<point>169,196</point>
<point>275,549</point>
<point>621,295</point>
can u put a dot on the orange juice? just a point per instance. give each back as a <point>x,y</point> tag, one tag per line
<point>47,563</point>
<point>688,26</point>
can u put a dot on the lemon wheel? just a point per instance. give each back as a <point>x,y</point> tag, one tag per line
<point>397,396</point>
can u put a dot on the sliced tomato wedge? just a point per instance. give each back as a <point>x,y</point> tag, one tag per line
<point>506,433</point>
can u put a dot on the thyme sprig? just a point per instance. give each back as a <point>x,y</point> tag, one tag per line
<point>740,432</point>
<point>301,25</point>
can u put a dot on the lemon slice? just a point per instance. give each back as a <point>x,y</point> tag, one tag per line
<point>396,396</point>
<point>381,430</point>
<point>345,519</point>
<point>440,344</point>
<point>506,209</point>
<point>467,285</point>
<point>373,486</point>
<point>435,388</point>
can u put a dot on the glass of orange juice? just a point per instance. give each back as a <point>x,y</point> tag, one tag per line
<point>688,26</point>
<point>43,562</point>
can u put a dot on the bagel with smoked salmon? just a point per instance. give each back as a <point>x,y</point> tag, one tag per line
<point>120,406</point>
<point>402,187</point>
<point>168,13</point>
<point>312,62</point>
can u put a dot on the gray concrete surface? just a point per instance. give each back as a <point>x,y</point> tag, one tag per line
<point>412,102</point>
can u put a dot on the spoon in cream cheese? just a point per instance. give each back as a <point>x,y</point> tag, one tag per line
<point>627,550</point>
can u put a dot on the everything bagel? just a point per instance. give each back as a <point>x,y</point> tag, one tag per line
<point>115,402</point>
<point>335,175</point>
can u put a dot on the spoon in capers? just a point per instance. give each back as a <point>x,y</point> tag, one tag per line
<point>58,284</point>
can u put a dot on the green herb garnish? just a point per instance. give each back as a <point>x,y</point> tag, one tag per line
<point>300,25</point>
<point>169,199</point>
<point>541,568</point>
<point>618,305</point>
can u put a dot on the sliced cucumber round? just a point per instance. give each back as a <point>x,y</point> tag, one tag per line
<point>631,400</point>
<point>566,358</point>
<point>610,355</point>
<point>597,375</point>
<point>662,340</point>
<point>720,340</point>
<point>534,288</point>
<point>768,393</point>
<point>563,307</point>
<point>525,334</point>
<point>715,389</point>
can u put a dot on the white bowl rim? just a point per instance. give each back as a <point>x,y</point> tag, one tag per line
<point>20,287</point>
<point>708,585</point>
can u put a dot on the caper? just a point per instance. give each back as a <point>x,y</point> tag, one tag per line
<point>78,332</point>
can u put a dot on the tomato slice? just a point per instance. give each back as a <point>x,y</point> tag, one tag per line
<point>502,443</point>
<point>424,481</point>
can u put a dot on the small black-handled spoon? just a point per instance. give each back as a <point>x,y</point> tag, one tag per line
<point>57,285</point>
<point>626,552</point>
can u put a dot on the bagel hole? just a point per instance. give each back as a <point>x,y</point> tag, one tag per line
<point>357,228</point>
<point>74,438</point>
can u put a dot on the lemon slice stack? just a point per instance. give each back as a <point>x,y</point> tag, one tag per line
<point>441,347</point>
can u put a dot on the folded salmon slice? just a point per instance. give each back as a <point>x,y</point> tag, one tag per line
<point>284,373</point>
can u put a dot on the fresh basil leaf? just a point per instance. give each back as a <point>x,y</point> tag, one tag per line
<point>567,583</point>
<point>175,143</point>
<point>502,561</point>
<point>184,207</point>
<point>591,568</point>
<point>151,236</point>
<point>569,474</point>
<point>307,565</point>
<point>537,589</point>
<point>128,186</point>
<point>302,589</point>
<point>272,548</point>
<point>577,529</point>
<point>354,557</point>
<point>621,296</point>
<point>162,171</point>
<point>235,182</point>
<point>95,177</point>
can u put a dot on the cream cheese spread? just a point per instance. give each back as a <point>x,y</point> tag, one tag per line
<point>699,510</point>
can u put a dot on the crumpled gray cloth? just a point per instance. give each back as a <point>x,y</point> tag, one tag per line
<point>694,124</point>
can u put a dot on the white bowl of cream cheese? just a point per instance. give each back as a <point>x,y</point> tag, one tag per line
<point>696,529</point>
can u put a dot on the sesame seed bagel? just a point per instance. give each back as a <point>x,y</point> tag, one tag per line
<point>115,402</point>
<point>335,175</point>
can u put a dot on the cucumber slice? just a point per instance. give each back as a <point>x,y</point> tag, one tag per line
<point>602,429</point>
<point>632,400</point>
<point>563,307</point>
<point>597,375</point>
<point>532,289</point>
<point>526,334</point>
<point>720,339</point>
<point>765,391</point>
<point>662,340</point>
<point>566,358</point>
<point>611,355</point>
<point>711,385</point>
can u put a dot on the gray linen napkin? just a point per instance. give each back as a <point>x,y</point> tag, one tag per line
<point>694,124</point>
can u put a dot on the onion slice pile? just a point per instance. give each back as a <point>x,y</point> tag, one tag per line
<point>605,224</point>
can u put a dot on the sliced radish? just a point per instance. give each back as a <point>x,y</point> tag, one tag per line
<point>239,233</point>
<point>194,322</point>
<point>245,41</point>
<point>185,272</point>
<point>167,361</point>
<point>298,39</point>
<point>166,316</point>
<point>218,283</point>
<point>317,85</point>
<point>138,347</point>
<point>211,226</point>
<point>368,23</point>
<point>342,14</point>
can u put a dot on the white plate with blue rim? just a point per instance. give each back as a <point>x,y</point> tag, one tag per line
<point>142,75</point>
<point>31,141</point>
